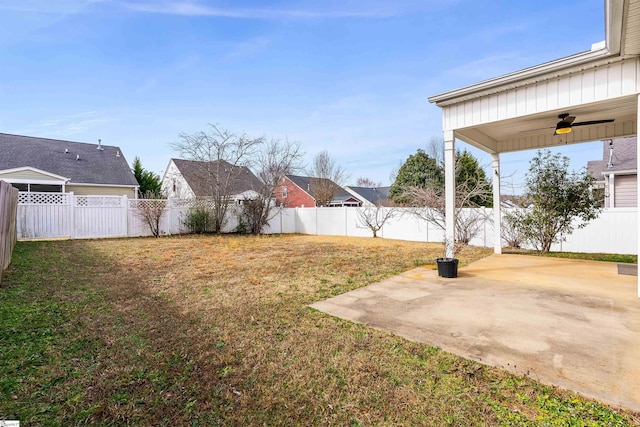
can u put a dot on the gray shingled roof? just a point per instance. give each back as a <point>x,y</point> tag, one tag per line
<point>304,182</point>
<point>198,176</point>
<point>624,157</point>
<point>378,195</point>
<point>94,167</point>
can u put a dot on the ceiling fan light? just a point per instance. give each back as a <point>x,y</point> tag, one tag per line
<point>563,128</point>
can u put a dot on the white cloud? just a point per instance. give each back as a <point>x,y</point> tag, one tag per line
<point>66,126</point>
<point>333,10</point>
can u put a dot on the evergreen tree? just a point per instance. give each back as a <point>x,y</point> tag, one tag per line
<point>148,181</point>
<point>470,175</point>
<point>421,171</point>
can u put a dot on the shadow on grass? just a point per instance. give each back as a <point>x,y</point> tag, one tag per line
<point>119,332</point>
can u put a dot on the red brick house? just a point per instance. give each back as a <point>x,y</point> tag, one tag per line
<point>295,191</point>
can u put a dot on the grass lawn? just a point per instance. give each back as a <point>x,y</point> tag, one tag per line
<point>215,330</point>
<point>622,258</point>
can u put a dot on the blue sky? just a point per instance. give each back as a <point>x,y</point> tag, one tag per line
<point>351,76</point>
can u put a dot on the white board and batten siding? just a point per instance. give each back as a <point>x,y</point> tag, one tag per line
<point>601,82</point>
<point>583,86</point>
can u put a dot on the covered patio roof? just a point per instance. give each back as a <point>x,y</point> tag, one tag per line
<point>519,111</point>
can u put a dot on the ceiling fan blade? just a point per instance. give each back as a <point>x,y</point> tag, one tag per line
<point>592,122</point>
<point>569,119</point>
<point>533,130</point>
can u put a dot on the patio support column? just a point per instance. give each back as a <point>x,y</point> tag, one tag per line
<point>497,217</point>
<point>449,192</point>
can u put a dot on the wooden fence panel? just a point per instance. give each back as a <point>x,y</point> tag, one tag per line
<point>8,236</point>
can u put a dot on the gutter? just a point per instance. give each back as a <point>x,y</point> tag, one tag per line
<point>620,172</point>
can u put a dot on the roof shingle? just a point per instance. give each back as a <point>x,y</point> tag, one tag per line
<point>624,157</point>
<point>198,175</point>
<point>107,166</point>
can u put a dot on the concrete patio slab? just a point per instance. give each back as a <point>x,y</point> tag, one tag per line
<point>574,324</point>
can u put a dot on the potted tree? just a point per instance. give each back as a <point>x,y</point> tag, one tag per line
<point>447,267</point>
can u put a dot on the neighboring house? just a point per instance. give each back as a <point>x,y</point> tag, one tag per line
<point>188,179</point>
<point>510,201</point>
<point>617,172</point>
<point>377,196</point>
<point>295,191</point>
<point>34,164</point>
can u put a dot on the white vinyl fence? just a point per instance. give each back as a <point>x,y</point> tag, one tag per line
<point>65,215</point>
<point>55,215</point>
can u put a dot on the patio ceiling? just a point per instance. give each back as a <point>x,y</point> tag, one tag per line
<point>537,130</point>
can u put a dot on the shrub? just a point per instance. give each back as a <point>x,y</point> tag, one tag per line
<point>200,220</point>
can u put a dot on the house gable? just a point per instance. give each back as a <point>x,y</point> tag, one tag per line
<point>31,175</point>
<point>190,178</point>
<point>174,185</point>
<point>290,195</point>
<point>297,191</point>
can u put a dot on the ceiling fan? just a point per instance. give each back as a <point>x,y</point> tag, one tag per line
<point>566,123</point>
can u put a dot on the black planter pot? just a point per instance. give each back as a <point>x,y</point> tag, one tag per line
<point>447,267</point>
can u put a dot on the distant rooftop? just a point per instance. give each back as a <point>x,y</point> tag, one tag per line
<point>94,166</point>
<point>198,175</point>
<point>375,195</point>
<point>617,156</point>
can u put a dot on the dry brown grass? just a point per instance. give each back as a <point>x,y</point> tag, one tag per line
<point>215,330</point>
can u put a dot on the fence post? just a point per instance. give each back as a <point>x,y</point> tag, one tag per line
<point>71,208</point>
<point>169,216</point>
<point>125,203</point>
<point>346,232</point>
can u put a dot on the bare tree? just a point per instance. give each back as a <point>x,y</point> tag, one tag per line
<point>275,159</point>
<point>429,204</point>
<point>150,208</point>
<point>510,231</point>
<point>394,172</point>
<point>222,158</point>
<point>326,177</point>
<point>367,182</point>
<point>375,216</point>
<point>435,149</point>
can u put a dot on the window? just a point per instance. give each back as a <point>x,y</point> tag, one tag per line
<point>38,188</point>
<point>284,192</point>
